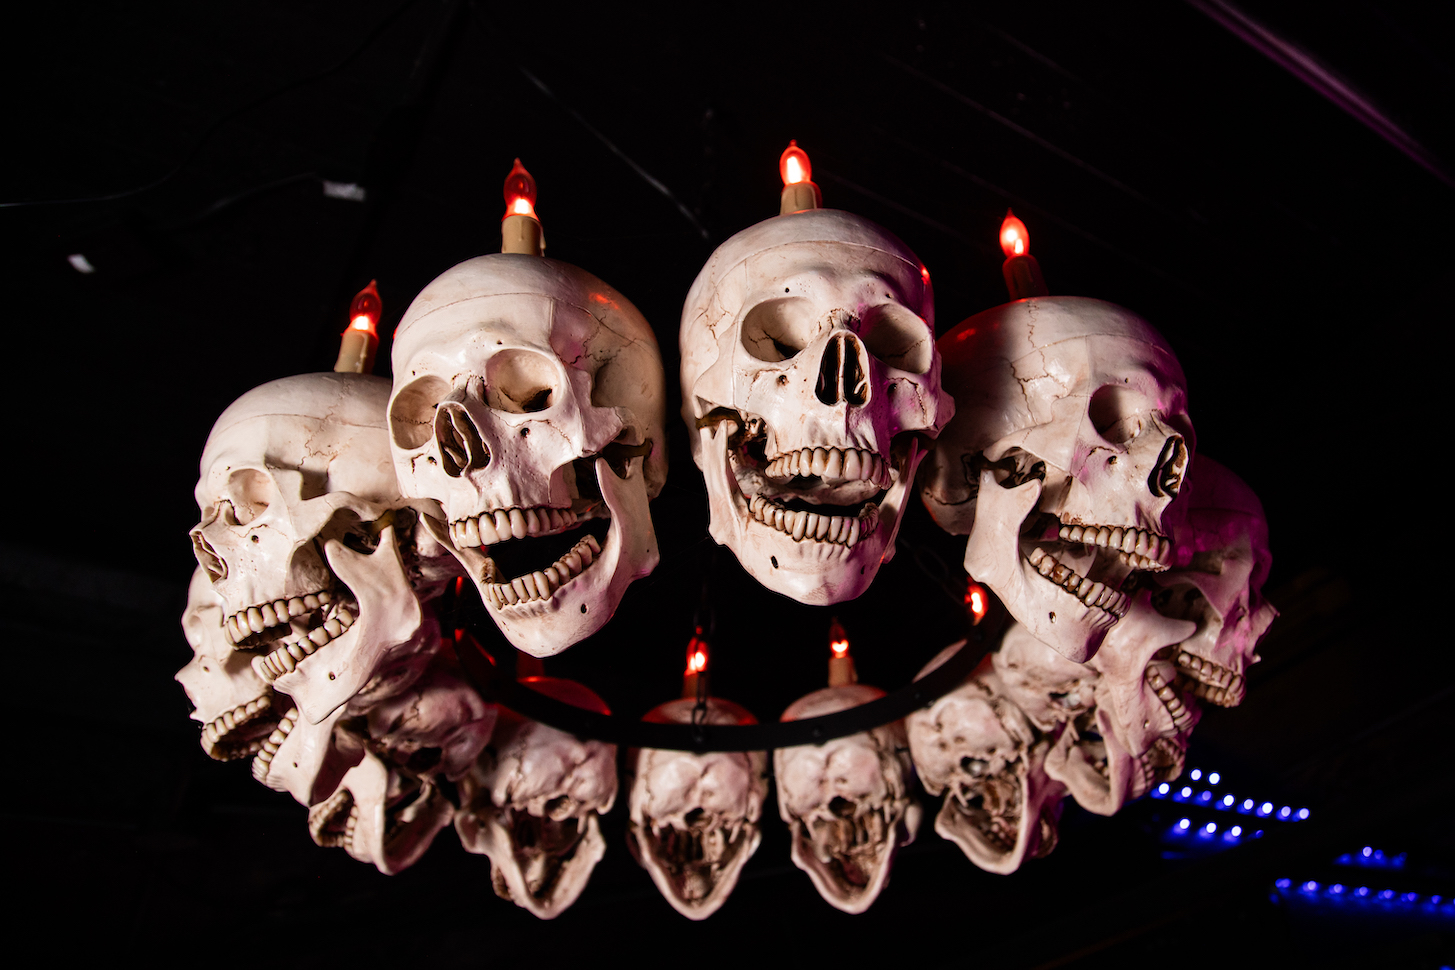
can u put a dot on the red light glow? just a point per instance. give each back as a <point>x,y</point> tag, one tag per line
<point>838,639</point>
<point>1014,240</point>
<point>696,654</point>
<point>520,192</point>
<point>366,309</point>
<point>975,601</point>
<point>793,165</point>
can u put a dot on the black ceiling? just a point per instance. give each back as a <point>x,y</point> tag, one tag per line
<point>1281,220</point>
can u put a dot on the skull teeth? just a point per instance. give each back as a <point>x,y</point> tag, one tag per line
<point>1181,715</point>
<point>500,525</point>
<point>830,464</point>
<point>286,657</point>
<point>1212,682</point>
<point>220,727</point>
<point>1087,591</point>
<point>1139,548</point>
<point>268,747</point>
<point>542,584</point>
<point>256,619</point>
<point>844,530</point>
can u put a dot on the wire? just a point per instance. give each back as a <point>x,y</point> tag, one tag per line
<point>223,119</point>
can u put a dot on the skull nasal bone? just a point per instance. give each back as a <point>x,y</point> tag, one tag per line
<point>461,449</point>
<point>843,372</point>
<point>1166,477</point>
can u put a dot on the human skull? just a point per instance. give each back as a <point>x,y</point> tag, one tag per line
<point>1045,686</point>
<point>978,749</point>
<point>301,534</point>
<point>695,817</point>
<point>436,726</point>
<point>848,802</point>
<point>809,378</point>
<point>532,804</point>
<point>528,403</point>
<point>1142,720</point>
<point>1070,442</point>
<point>1217,582</point>
<point>381,814</point>
<point>237,708</point>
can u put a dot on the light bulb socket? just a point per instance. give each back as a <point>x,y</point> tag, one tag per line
<point>522,234</point>
<point>356,352</point>
<point>1023,277</point>
<point>842,672</point>
<point>800,197</point>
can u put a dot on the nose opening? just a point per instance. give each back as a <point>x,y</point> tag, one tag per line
<point>843,372</point>
<point>207,557</point>
<point>461,449</point>
<point>1167,474</point>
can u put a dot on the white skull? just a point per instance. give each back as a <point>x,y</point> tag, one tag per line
<point>1045,686</point>
<point>809,377</point>
<point>1222,561</point>
<point>532,804</point>
<point>528,403</point>
<point>1070,441</point>
<point>237,708</point>
<point>977,748</point>
<point>436,726</point>
<point>382,815</point>
<point>300,535</point>
<point>695,817</point>
<point>1142,721</point>
<point>848,802</point>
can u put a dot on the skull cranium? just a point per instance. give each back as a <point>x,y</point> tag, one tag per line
<point>695,817</point>
<point>809,375</point>
<point>1070,442</point>
<point>528,403</point>
<point>848,802</point>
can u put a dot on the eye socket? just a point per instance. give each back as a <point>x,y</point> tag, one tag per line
<point>250,492</point>
<point>779,329</point>
<point>898,337</point>
<point>411,415</point>
<point>521,382</point>
<point>1116,413</point>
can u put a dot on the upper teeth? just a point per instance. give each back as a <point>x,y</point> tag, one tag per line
<point>256,619</point>
<point>842,464</point>
<point>1140,549</point>
<point>488,528</point>
<point>302,643</point>
<point>845,530</point>
<point>543,583</point>
<point>1089,592</point>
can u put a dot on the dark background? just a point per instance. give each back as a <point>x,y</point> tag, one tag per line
<point>1292,249</point>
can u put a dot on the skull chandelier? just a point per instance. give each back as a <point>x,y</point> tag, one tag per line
<point>519,447</point>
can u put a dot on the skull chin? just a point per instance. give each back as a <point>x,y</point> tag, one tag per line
<point>550,577</point>
<point>812,523</point>
<point>542,862</point>
<point>986,819</point>
<point>846,849</point>
<point>389,822</point>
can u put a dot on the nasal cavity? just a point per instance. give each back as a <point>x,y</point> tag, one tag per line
<point>207,557</point>
<point>843,373</point>
<point>1166,477</point>
<point>461,449</point>
<point>841,806</point>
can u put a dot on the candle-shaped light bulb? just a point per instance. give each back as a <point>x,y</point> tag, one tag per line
<point>1014,240</point>
<point>799,191</point>
<point>976,602</point>
<point>520,229</point>
<point>694,678</point>
<point>361,340</point>
<point>841,665</point>
<point>1022,272</point>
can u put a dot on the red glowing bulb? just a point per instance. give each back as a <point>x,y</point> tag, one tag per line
<point>697,654</point>
<point>838,639</point>
<point>793,165</point>
<point>520,192</point>
<point>367,308</point>
<point>1014,240</point>
<point>975,601</point>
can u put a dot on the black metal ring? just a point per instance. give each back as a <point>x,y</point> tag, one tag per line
<point>499,685</point>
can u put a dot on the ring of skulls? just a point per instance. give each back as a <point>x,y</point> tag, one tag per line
<point>519,446</point>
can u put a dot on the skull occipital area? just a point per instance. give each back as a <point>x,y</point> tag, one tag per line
<point>810,383</point>
<point>528,403</point>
